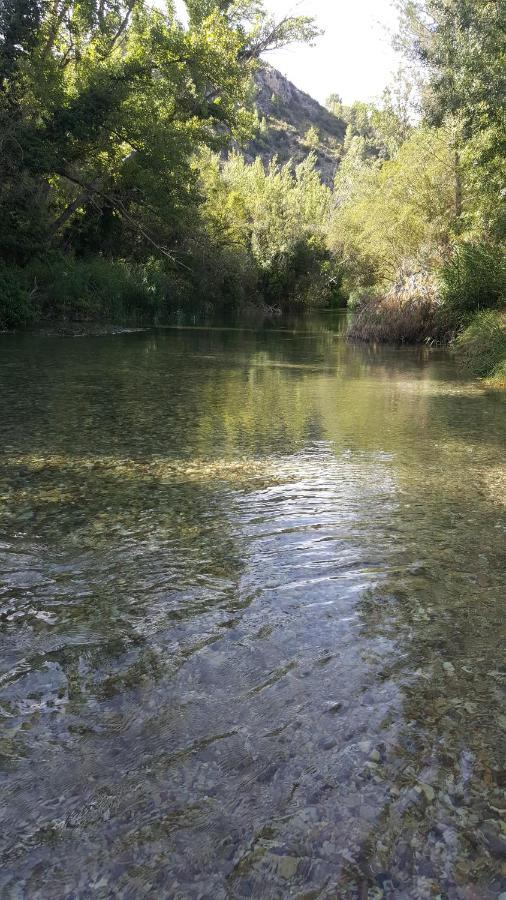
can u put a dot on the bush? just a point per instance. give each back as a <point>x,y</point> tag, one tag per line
<point>298,275</point>
<point>410,313</point>
<point>474,278</point>
<point>18,303</point>
<point>481,347</point>
<point>61,287</point>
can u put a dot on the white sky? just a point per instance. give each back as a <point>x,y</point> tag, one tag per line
<point>354,58</point>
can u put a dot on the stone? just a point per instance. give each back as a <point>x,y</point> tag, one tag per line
<point>287,867</point>
<point>429,792</point>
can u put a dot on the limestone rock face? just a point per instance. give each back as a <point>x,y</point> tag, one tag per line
<point>286,115</point>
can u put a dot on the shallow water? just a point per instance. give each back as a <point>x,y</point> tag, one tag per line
<point>252,616</point>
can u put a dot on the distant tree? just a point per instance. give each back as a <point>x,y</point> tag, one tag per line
<point>279,216</point>
<point>334,104</point>
<point>312,138</point>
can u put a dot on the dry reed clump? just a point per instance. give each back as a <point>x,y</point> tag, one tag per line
<point>409,313</point>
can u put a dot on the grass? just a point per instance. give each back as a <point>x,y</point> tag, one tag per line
<point>473,277</point>
<point>409,313</point>
<point>464,304</point>
<point>66,289</point>
<point>481,347</point>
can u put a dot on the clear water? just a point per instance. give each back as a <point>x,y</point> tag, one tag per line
<point>252,619</point>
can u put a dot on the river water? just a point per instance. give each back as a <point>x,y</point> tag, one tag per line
<point>252,619</point>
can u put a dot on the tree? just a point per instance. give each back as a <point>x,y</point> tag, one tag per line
<point>384,125</point>
<point>399,211</point>
<point>312,138</point>
<point>461,46</point>
<point>279,217</point>
<point>334,104</point>
<point>103,105</point>
<point>260,32</point>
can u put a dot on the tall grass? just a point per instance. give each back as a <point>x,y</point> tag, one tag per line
<point>481,347</point>
<point>473,277</point>
<point>63,288</point>
<point>420,307</point>
<point>409,313</point>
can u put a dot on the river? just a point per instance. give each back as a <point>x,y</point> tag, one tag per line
<point>252,618</point>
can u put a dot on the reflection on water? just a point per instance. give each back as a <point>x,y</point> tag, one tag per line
<point>252,619</point>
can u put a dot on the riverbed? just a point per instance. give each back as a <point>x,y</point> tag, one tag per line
<point>252,618</point>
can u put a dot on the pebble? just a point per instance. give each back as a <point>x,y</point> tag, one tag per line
<point>429,792</point>
<point>287,867</point>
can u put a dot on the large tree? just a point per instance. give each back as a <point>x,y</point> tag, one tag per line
<point>461,45</point>
<point>102,106</point>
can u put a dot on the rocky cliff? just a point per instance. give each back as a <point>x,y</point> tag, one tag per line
<point>286,115</point>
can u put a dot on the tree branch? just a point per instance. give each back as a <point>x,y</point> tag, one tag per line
<point>91,189</point>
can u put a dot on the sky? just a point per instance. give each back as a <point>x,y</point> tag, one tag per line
<point>354,58</point>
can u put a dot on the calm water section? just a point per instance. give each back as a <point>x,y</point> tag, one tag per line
<point>252,619</point>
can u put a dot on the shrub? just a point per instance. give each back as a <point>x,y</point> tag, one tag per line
<point>410,313</point>
<point>481,347</point>
<point>18,302</point>
<point>474,278</point>
<point>99,289</point>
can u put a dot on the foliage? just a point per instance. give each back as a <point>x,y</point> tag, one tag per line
<point>481,347</point>
<point>120,195</point>
<point>259,32</point>
<point>85,289</point>
<point>278,218</point>
<point>103,107</point>
<point>101,114</point>
<point>473,277</point>
<point>440,200</point>
<point>409,313</point>
<point>461,45</point>
<point>384,126</point>
<point>312,138</point>
<point>17,306</point>
<point>404,209</point>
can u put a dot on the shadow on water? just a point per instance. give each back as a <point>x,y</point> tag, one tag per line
<point>252,615</point>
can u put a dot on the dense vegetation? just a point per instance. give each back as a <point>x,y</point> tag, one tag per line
<point>422,232</point>
<point>122,196</point>
<point>105,109</point>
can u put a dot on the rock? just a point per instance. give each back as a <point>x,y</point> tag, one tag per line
<point>449,668</point>
<point>495,843</point>
<point>429,792</point>
<point>333,707</point>
<point>287,867</point>
<point>288,113</point>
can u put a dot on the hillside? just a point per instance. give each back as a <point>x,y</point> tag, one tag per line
<point>286,114</point>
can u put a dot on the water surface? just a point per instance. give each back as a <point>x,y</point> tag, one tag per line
<point>252,616</point>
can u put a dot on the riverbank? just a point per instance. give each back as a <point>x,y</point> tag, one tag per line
<point>479,345</point>
<point>420,309</point>
<point>65,294</point>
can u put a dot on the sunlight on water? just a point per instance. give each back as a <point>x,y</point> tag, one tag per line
<point>252,614</point>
